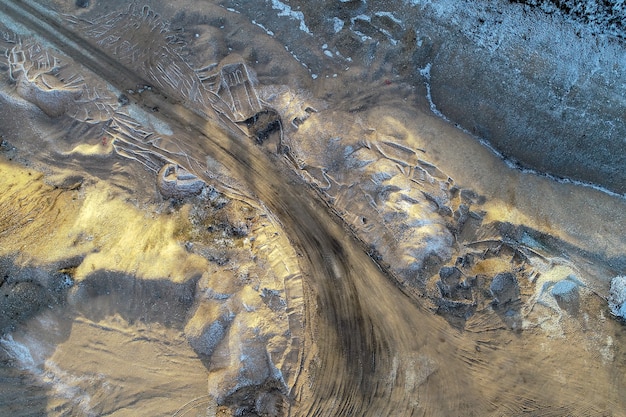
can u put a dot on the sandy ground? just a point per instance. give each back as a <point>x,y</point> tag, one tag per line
<point>119,299</point>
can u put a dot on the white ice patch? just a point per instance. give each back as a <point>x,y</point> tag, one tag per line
<point>388,35</point>
<point>29,355</point>
<point>18,352</point>
<point>439,7</point>
<point>269,32</point>
<point>68,387</point>
<point>285,10</point>
<point>296,58</point>
<point>337,24</point>
<point>364,18</point>
<point>390,16</point>
<point>361,17</point>
<point>425,72</point>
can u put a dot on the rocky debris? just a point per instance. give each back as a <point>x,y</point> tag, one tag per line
<point>247,319</point>
<point>244,342</point>
<point>263,124</point>
<point>567,295</point>
<point>24,292</point>
<point>176,182</point>
<point>294,108</point>
<point>617,297</point>
<point>204,335</point>
<point>221,219</point>
<point>402,204</point>
<point>7,150</point>
<point>456,295</point>
<point>504,288</point>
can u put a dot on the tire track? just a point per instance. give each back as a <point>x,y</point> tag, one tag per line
<point>370,350</point>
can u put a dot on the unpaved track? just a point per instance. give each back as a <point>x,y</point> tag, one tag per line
<point>370,350</point>
<point>360,322</point>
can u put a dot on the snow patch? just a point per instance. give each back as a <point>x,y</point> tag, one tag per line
<point>18,352</point>
<point>29,356</point>
<point>285,10</point>
<point>425,72</point>
<point>269,32</point>
<point>390,16</point>
<point>337,24</point>
<point>617,297</point>
<point>361,17</point>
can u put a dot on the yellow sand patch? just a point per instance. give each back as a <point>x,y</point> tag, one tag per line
<point>44,224</point>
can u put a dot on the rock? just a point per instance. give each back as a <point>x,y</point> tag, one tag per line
<point>617,297</point>
<point>504,288</point>
<point>449,278</point>
<point>269,404</point>
<point>240,366</point>
<point>82,3</point>
<point>453,285</point>
<point>26,291</point>
<point>208,327</point>
<point>176,182</point>
<point>565,290</point>
<point>566,294</point>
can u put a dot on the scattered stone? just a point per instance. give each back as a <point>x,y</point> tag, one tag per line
<point>454,285</point>
<point>504,288</point>
<point>123,100</point>
<point>6,149</point>
<point>456,300</point>
<point>269,404</point>
<point>449,278</point>
<point>68,182</point>
<point>273,299</point>
<point>617,297</point>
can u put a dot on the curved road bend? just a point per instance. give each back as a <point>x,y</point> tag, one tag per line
<point>370,350</point>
